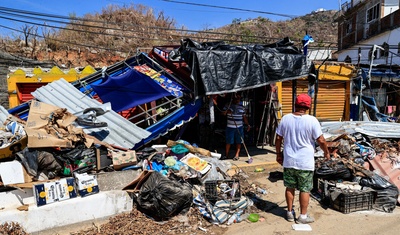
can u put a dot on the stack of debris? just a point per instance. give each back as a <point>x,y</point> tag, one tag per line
<point>353,180</point>
<point>51,154</point>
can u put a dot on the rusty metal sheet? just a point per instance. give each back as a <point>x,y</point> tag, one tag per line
<point>388,169</point>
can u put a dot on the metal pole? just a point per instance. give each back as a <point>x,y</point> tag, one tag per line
<point>316,92</point>
<point>294,91</point>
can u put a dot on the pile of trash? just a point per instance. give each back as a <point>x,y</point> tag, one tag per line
<point>180,176</point>
<point>351,169</point>
<point>50,152</point>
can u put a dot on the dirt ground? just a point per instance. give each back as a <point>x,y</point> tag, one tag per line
<point>327,221</point>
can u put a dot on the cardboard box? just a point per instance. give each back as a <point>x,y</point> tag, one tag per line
<point>10,150</point>
<point>86,184</point>
<point>51,192</point>
<point>37,127</point>
<point>123,159</point>
<point>66,189</point>
<point>45,193</point>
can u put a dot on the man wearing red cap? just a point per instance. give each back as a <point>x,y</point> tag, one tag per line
<point>299,131</point>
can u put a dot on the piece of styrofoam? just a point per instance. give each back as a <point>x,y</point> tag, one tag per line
<point>302,227</point>
<point>11,172</point>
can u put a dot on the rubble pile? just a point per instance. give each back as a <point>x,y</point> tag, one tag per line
<point>180,187</point>
<point>357,161</point>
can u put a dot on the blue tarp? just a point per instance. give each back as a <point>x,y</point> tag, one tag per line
<point>129,90</point>
<point>383,73</point>
<point>373,111</point>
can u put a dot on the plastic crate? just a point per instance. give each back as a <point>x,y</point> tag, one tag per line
<point>323,188</point>
<point>222,190</point>
<point>348,202</point>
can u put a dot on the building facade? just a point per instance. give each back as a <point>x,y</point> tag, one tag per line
<point>369,38</point>
<point>364,23</point>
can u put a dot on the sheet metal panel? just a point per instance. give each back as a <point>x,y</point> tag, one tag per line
<point>373,129</point>
<point>119,132</point>
<point>3,115</point>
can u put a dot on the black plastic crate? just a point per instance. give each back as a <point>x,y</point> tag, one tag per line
<point>222,190</point>
<point>323,188</point>
<point>347,202</point>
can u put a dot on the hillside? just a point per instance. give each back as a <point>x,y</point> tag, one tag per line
<point>101,39</point>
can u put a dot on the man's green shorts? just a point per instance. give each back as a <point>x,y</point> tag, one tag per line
<point>299,179</point>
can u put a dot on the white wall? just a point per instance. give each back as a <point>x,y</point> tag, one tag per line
<point>391,37</point>
<point>389,9</point>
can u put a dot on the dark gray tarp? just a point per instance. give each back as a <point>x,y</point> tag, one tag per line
<point>217,67</point>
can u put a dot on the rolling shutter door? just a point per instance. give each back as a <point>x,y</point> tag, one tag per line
<point>330,102</point>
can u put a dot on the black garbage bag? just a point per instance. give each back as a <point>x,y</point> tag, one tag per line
<point>386,192</point>
<point>145,153</point>
<point>29,159</point>
<point>162,198</point>
<point>71,155</point>
<point>333,170</point>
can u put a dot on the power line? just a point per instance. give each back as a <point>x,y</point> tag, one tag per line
<point>83,45</point>
<point>127,36</point>
<point>232,8</point>
<point>106,22</point>
<point>118,35</point>
<point>77,30</point>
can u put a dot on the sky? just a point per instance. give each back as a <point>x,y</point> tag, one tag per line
<point>185,12</point>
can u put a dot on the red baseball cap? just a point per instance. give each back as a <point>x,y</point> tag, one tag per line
<point>303,100</point>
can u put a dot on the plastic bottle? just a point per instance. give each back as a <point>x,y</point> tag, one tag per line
<point>261,190</point>
<point>244,216</point>
<point>232,219</point>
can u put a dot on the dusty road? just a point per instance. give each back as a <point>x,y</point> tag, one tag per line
<point>328,221</point>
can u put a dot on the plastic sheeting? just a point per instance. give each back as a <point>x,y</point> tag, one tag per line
<point>220,68</point>
<point>129,90</point>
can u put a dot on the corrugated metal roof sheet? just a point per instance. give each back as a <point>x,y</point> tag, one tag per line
<point>119,132</point>
<point>3,115</point>
<point>373,129</point>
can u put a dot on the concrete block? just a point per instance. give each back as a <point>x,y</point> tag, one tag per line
<point>96,206</point>
<point>116,180</point>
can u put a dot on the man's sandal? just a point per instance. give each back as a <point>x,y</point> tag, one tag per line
<point>236,158</point>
